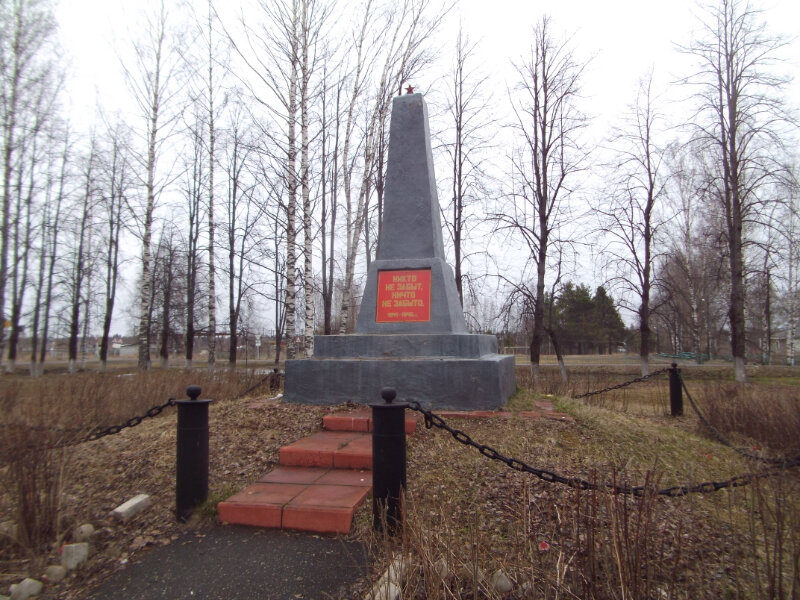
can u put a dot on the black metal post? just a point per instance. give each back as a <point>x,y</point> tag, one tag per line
<point>675,391</point>
<point>388,462</point>
<point>191,480</point>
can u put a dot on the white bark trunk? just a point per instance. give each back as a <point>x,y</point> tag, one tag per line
<point>291,204</point>
<point>738,369</point>
<point>308,328</point>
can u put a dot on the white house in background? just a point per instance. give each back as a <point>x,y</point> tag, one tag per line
<point>780,346</point>
<point>129,349</point>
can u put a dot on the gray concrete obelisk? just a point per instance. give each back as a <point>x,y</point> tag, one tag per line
<point>411,232</point>
<point>410,333</point>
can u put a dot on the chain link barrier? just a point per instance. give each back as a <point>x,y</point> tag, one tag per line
<point>74,436</point>
<point>101,432</point>
<point>274,377</point>
<point>619,386</point>
<point>676,491</point>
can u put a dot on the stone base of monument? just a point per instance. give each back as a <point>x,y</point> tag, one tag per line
<point>440,371</point>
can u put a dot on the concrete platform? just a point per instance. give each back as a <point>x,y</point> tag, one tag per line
<point>448,383</point>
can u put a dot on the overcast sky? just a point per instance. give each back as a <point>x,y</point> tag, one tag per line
<point>620,39</point>
<point>623,39</point>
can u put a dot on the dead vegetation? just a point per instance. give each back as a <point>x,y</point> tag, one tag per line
<point>468,518</point>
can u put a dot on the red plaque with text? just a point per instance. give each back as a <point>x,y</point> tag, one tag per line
<point>404,296</point>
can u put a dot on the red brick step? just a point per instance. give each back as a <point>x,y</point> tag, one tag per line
<point>331,449</point>
<point>308,499</point>
<point>322,479</point>
<point>360,419</point>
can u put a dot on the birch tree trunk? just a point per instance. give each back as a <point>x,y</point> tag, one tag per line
<point>305,184</point>
<point>114,202</point>
<point>212,291</point>
<point>291,201</point>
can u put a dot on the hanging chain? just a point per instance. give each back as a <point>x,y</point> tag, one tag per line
<point>100,432</point>
<point>622,385</point>
<point>132,422</point>
<point>434,420</point>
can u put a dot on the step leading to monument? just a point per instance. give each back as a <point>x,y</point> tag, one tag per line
<point>331,449</point>
<point>359,420</point>
<point>322,480</point>
<point>306,499</point>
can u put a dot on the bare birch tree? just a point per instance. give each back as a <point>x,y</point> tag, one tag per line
<point>27,29</point>
<point>739,116</point>
<point>379,69</point>
<point>79,267</point>
<point>243,214</point>
<point>631,222</point>
<point>468,110</point>
<point>329,193</point>
<point>27,192</point>
<point>193,190</point>
<point>549,123</point>
<point>49,250</point>
<point>155,82</point>
<point>112,204</point>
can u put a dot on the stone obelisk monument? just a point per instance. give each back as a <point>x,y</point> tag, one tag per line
<point>410,333</point>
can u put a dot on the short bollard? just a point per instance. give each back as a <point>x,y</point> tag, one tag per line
<point>388,462</point>
<point>675,392</point>
<point>191,477</point>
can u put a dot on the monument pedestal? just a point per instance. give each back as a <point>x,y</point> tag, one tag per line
<point>440,371</point>
<point>411,334</point>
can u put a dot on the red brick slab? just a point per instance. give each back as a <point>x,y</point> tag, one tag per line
<point>301,475</point>
<point>324,508</point>
<point>360,420</point>
<point>346,477</point>
<point>349,421</point>
<point>260,504</point>
<point>320,482</point>
<point>357,454</point>
<point>316,450</point>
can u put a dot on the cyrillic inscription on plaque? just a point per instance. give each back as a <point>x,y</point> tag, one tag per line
<point>404,296</point>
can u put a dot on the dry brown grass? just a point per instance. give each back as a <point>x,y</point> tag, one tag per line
<point>469,517</point>
<point>759,415</point>
<point>87,400</point>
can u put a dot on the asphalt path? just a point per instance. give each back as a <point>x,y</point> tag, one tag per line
<point>233,562</point>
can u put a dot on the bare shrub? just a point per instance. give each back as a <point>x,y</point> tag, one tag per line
<point>40,417</point>
<point>560,542</point>
<point>768,415</point>
<point>774,526</point>
<point>33,469</point>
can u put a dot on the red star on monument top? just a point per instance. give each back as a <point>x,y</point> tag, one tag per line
<point>409,90</point>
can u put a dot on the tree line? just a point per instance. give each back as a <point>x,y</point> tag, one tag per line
<point>691,230</point>
<point>251,175</point>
